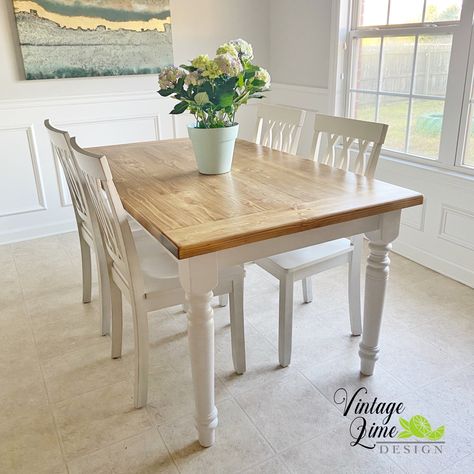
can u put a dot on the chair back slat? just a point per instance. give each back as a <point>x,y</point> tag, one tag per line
<point>279,127</point>
<point>111,218</point>
<point>63,153</point>
<point>341,134</point>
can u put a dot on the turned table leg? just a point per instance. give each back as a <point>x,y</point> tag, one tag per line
<point>198,276</point>
<point>375,284</point>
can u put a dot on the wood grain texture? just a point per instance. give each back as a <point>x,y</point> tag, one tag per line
<point>268,194</point>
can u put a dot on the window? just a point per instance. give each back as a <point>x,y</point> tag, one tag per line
<point>408,64</point>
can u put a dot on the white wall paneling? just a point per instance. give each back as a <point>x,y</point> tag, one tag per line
<point>21,184</point>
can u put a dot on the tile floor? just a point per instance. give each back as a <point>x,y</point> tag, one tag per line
<point>65,406</point>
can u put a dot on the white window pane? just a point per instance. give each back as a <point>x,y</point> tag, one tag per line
<point>372,12</point>
<point>432,64</point>
<point>443,10</point>
<point>366,63</point>
<point>397,63</point>
<point>425,127</point>
<point>394,112</point>
<point>405,11</point>
<point>363,106</point>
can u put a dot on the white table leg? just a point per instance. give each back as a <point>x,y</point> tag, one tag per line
<point>198,276</point>
<point>375,284</point>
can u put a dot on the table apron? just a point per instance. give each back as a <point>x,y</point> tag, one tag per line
<point>266,248</point>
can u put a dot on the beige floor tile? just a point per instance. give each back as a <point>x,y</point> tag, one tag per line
<point>453,396</point>
<point>332,452</point>
<point>99,418</point>
<point>463,466</point>
<point>62,306</point>
<point>289,412</point>
<point>454,333</point>
<point>21,380</point>
<point>41,275</point>
<point>412,359</point>
<point>262,362</point>
<point>42,247</point>
<point>171,396</point>
<point>144,454</point>
<point>272,466</point>
<point>84,370</point>
<point>344,372</point>
<point>10,288</point>
<point>29,443</point>
<point>238,443</point>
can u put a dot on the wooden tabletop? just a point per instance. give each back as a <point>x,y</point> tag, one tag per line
<point>268,194</point>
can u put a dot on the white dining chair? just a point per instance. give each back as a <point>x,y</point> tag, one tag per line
<point>142,270</point>
<point>279,127</point>
<point>341,134</point>
<point>60,142</point>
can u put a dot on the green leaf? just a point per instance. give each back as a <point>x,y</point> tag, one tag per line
<point>419,426</point>
<point>436,434</point>
<point>404,434</point>
<point>404,423</point>
<point>179,108</point>
<point>166,92</point>
<point>226,99</point>
<point>258,83</point>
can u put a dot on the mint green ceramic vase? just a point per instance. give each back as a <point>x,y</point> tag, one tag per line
<point>213,148</point>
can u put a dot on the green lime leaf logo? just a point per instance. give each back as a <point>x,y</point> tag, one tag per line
<point>405,424</point>
<point>419,426</point>
<point>405,434</point>
<point>436,434</point>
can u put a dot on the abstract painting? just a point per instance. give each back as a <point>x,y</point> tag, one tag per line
<point>78,38</point>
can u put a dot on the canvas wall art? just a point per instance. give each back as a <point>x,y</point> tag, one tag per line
<point>77,38</point>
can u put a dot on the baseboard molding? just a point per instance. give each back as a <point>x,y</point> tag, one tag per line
<point>28,233</point>
<point>438,264</point>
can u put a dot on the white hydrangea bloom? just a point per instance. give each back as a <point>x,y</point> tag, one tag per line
<point>228,64</point>
<point>263,75</point>
<point>169,76</point>
<point>228,48</point>
<point>243,48</point>
<point>193,79</point>
<point>201,98</point>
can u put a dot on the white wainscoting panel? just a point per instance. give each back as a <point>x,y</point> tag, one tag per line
<point>21,185</point>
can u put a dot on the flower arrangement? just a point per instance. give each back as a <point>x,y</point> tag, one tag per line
<point>213,89</point>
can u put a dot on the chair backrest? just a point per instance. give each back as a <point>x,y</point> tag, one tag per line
<point>109,217</point>
<point>60,141</point>
<point>343,132</point>
<point>279,127</point>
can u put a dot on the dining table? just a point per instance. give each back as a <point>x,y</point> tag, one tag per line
<point>271,202</point>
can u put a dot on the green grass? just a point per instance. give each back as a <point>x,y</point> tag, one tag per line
<point>422,142</point>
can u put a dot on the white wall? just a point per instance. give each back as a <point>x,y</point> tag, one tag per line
<point>300,42</point>
<point>33,197</point>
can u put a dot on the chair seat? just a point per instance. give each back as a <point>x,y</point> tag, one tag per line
<point>160,270</point>
<point>297,259</point>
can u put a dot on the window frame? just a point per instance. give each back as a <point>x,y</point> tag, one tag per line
<point>461,71</point>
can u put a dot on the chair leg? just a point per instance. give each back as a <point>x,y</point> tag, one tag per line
<point>237,328</point>
<point>307,290</point>
<point>140,323</point>
<point>86,270</point>
<point>285,321</point>
<point>354,289</point>
<point>223,300</point>
<point>117,320</point>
